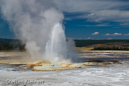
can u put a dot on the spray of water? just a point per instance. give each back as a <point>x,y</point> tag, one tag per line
<point>39,25</point>
<point>56,46</point>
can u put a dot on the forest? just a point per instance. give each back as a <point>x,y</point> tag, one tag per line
<point>15,44</point>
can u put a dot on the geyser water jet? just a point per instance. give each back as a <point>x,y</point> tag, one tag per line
<point>38,24</point>
<point>56,46</point>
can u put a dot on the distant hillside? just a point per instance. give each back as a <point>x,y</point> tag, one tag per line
<point>85,43</point>
<point>15,44</point>
<point>11,44</point>
<point>104,44</point>
<point>8,41</point>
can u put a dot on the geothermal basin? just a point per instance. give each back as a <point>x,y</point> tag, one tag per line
<point>96,68</point>
<point>86,58</point>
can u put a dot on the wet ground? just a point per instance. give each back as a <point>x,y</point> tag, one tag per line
<point>109,75</point>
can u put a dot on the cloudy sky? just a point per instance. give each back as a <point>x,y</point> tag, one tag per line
<point>88,19</point>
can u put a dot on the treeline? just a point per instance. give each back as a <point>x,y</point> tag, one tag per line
<point>111,48</point>
<point>11,44</point>
<point>15,44</point>
<point>12,47</point>
<point>84,43</point>
<point>104,44</point>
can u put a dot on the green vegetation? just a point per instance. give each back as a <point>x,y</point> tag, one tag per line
<point>15,44</point>
<point>11,44</point>
<point>104,44</point>
<point>84,43</point>
<point>111,48</point>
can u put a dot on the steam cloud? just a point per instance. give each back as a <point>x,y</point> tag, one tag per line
<point>33,22</point>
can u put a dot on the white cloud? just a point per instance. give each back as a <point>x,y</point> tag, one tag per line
<point>88,5</point>
<point>98,25</point>
<point>95,33</point>
<point>109,38</point>
<point>126,34</point>
<point>101,25</point>
<point>79,38</point>
<point>125,23</point>
<point>115,34</point>
<point>107,34</point>
<point>108,15</point>
<point>96,10</point>
<point>89,38</point>
<point>93,10</point>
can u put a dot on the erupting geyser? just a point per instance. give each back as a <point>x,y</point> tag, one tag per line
<point>38,23</point>
<point>56,47</point>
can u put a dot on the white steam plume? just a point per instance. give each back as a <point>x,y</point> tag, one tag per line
<point>33,22</point>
